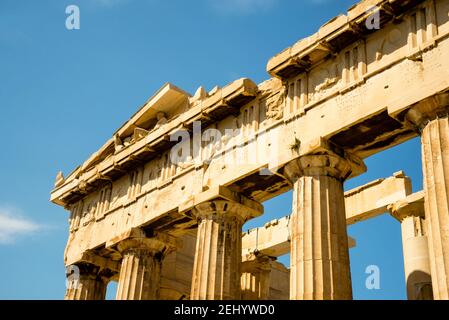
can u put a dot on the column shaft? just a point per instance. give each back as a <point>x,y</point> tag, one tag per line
<point>139,276</point>
<point>319,246</point>
<point>217,270</point>
<point>319,261</point>
<point>416,259</point>
<point>410,212</point>
<point>140,272</point>
<point>255,281</point>
<point>435,155</point>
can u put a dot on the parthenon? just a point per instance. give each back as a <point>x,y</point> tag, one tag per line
<point>160,206</point>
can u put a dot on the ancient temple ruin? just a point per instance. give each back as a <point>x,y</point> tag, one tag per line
<point>160,207</point>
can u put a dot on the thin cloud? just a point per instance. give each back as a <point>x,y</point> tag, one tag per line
<point>242,6</point>
<point>12,225</point>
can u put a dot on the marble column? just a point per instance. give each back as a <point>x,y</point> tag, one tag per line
<point>319,261</point>
<point>218,255</point>
<point>431,119</point>
<point>140,272</point>
<point>410,213</point>
<point>255,281</point>
<point>85,282</point>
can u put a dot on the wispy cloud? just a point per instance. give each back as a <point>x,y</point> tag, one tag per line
<point>13,225</point>
<point>242,6</point>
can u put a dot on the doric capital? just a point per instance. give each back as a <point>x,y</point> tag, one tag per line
<point>224,209</point>
<point>412,206</point>
<point>159,243</point>
<point>427,110</point>
<point>257,262</point>
<point>86,282</point>
<point>322,165</point>
<point>104,263</point>
<point>320,157</point>
<point>89,271</point>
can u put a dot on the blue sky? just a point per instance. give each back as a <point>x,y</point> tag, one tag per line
<point>63,93</point>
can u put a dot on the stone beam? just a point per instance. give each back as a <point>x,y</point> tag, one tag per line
<point>365,202</point>
<point>372,199</point>
<point>273,239</point>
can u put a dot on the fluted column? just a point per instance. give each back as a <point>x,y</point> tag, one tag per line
<point>218,256</point>
<point>319,261</point>
<point>86,283</point>
<point>255,281</point>
<point>140,272</point>
<point>431,118</point>
<point>410,213</point>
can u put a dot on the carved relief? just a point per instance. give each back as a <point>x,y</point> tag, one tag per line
<point>88,214</point>
<point>323,80</point>
<point>392,39</point>
<point>275,105</point>
<point>329,82</point>
<point>118,191</point>
<point>161,118</point>
<point>198,97</point>
<point>386,46</point>
<point>118,144</point>
<point>139,134</point>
